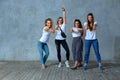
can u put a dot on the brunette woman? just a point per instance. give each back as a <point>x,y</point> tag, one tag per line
<point>77,43</point>
<point>91,39</point>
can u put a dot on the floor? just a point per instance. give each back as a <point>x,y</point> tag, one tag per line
<point>32,71</point>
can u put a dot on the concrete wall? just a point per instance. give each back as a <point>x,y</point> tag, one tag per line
<point>21,23</point>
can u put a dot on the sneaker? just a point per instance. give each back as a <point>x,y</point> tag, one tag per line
<point>100,67</point>
<point>85,66</point>
<point>67,64</point>
<point>59,65</point>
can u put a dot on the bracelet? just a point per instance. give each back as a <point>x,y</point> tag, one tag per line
<point>63,9</point>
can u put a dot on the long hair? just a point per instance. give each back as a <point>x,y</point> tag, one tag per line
<point>90,27</point>
<point>77,20</point>
<point>59,18</point>
<point>48,19</point>
<point>80,25</point>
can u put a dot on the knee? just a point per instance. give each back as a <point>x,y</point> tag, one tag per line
<point>47,54</point>
<point>68,51</point>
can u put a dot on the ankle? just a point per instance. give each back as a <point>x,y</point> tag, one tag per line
<point>43,66</point>
<point>100,64</point>
<point>67,61</point>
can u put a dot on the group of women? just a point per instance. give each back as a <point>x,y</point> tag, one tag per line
<point>77,43</point>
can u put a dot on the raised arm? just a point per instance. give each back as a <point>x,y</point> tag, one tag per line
<point>64,13</point>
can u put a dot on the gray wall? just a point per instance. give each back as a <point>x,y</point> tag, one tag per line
<point>21,23</point>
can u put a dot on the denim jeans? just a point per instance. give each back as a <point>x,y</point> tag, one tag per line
<point>88,44</point>
<point>43,47</point>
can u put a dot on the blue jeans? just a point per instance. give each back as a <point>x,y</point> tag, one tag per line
<point>88,44</point>
<point>43,47</point>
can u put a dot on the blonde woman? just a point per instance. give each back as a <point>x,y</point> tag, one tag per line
<point>42,43</point>
<point>60,40</point>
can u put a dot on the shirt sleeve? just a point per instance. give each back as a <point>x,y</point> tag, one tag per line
<point>63,27</point>
<point>85,24</point>
<point>95,23</point>
<point>44,28</point>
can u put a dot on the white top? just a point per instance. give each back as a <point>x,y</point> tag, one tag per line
<point>90,35</point>
<point>45,36</point>
<point>76,33</point>
<point>58,32</point>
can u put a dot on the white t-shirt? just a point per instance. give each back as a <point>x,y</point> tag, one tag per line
<point>76,33</point>
<point>45,36</point>
<point>58,32</point>
<point>90,35</point>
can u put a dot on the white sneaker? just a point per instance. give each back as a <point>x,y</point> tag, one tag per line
<point>67,64</point>
<point>59,65</point>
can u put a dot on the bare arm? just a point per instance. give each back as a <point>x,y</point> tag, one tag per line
<point>49,29</point>
<point>94,26</point>
<point>46,28</point>
<point>71,30</point>
<point>77,31</point>
<point>64,13</point>
<point>56,27</point>
<point>81,31</point>
<point>52,30</point>
<point>86,27</point>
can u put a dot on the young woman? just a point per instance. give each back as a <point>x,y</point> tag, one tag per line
<point>90,39</point>
<point>42,43</point>
<point>77,43</point>
<point>59,40</point>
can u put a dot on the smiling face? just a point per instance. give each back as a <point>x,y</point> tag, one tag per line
<point>48,22</point>
<point>77,24</point>
<point>60,21</point>
<point>90,18</point>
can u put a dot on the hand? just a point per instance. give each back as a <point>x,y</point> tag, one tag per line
<point>52,30</point>
<point>56,27</point>
<point>86,27</point>
<point>71,30</point>
<point>80,30</point>
<point>63,7</point>
<point>46,28</point>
